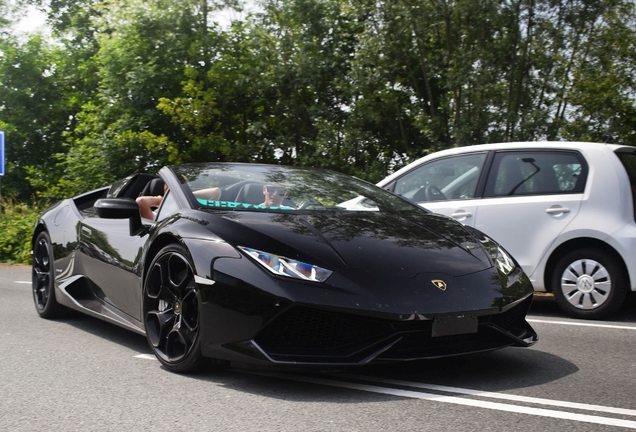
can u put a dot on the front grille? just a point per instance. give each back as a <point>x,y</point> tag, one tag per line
<point>420,345</point>
<point>307,330</point>
<point>305,334</point>
<point>513,320</point>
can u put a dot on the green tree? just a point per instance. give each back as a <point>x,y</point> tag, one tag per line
<point>358,86</point>
<point>34,110</point>
<point>277,89</point>
<point>143,52</point>
<point>603,85</point>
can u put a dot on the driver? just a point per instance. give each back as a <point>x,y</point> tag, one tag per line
<point>274,195</point>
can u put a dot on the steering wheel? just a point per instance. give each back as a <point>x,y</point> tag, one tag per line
<point>433,193</point>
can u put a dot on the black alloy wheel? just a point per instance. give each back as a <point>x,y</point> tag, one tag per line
<point>589,283</point>
<point>171,311</point>
<point>43,278</point>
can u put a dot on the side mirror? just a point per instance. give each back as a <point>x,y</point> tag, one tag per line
<point>121,208</point>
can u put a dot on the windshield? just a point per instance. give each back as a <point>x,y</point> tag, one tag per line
<point>274,188</point>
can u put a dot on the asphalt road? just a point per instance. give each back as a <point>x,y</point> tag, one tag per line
<point>81,374</point>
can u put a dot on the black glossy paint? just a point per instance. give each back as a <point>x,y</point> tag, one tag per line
<point>384,266</point>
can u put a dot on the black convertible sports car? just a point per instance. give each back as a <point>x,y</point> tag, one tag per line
<point>263,264</point>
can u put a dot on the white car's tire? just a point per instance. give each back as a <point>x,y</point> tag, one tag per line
<point>589,283</point>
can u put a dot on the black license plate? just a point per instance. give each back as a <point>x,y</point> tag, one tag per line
<point>454,324</point>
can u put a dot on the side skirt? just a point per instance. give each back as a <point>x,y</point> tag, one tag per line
<point>76,293</point>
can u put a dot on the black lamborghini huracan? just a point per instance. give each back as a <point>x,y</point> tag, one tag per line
<point>265,264</point>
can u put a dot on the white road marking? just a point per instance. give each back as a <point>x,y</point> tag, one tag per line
<point>464,401</point>
<point>22,282</point>
<point>477,403</point>
<point>492,395</point>
<point>146,356</point>
<point>541,321</point>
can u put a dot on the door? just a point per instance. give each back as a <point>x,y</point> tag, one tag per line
<point>111,258</point>
<point>529,199</point>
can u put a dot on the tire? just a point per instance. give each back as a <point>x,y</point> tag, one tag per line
<point>589,283</point>
<point>43,278</point>
<point>171,310</point>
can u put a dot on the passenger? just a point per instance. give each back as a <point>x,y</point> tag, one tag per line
<point>210,194</point>
<point>148,203</point>
<point>151,198</point>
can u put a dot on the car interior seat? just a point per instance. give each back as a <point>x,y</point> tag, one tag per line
<point>153,188</point>
<point>550,182</point>
<point>251,193</point>
<point>510,180</point>
<point>131,187</point>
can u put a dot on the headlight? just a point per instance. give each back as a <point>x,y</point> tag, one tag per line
<point>287,267</point>
<point>504,263</point>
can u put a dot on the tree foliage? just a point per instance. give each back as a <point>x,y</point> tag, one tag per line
<point>359,86</point>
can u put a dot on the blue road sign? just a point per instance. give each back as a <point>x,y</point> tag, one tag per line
<point>1,153</point>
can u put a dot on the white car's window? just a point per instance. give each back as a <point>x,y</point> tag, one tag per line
<point>536,172</point>
<point>629,162</point>
<point>444,179</point>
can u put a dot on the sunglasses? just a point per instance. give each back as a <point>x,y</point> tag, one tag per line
<point>279,190</point>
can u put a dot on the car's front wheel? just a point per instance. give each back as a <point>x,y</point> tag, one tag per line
<point>171,311</point>
<point>589,283</point>
<point>43,278</point>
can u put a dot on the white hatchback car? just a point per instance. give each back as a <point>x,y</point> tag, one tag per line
<point>564,210</point>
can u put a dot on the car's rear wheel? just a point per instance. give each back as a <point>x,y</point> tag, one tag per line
<point>171,311</point>
<point>589,283</point>
<point>43,278</point>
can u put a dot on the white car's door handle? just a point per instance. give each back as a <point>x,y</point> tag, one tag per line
<point>557,210</point>
<point>461,214</point>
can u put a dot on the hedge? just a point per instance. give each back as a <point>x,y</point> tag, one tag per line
<point>16,226</point>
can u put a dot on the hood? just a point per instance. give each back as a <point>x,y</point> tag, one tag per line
<point>371,243</point>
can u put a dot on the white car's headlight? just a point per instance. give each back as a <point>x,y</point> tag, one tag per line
<point>504,263</point>
<point>287,267</point>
